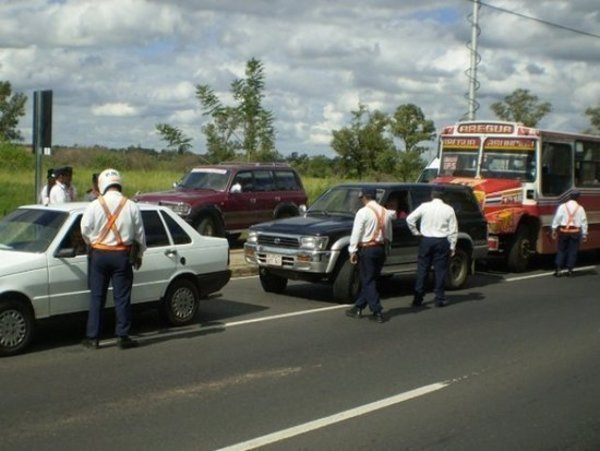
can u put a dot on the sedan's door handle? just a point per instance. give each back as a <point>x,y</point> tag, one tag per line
<point>171,252</point>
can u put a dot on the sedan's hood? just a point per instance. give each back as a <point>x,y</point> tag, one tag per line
<point>13,262</point>
<point>312,225</point>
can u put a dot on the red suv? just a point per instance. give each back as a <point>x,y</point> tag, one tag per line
<point>228,198</point>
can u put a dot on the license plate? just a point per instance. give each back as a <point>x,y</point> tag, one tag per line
<point>273,260</point>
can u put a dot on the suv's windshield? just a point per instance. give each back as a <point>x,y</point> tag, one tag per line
<point>205,178</point>
<point>337,201</point>
<point>30,230</point>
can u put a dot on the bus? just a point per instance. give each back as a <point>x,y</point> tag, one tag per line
<point>520,175</point>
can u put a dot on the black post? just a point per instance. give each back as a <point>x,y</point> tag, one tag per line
<point>42,133</point>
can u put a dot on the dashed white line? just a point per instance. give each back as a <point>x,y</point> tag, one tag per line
<point>336,418</point>
<point>535,276</point>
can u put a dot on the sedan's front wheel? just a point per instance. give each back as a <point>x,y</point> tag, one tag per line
<point>180,304</point>
<point>16,327</point>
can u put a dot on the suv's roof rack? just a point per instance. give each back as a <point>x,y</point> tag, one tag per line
<point>253,163</point>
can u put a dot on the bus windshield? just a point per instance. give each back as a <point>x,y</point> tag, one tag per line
<point>459,157</point>
<point>509,159</point>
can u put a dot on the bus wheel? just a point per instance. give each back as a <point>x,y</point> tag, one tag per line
<point>520,251</point>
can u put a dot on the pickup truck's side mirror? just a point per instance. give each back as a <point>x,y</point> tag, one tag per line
<point>236,188</point>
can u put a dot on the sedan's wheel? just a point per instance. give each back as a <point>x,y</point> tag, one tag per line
<point>180,304</point>
<point>458,270</point>
<point>16,327</point>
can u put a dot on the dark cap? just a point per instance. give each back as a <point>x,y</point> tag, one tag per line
<point>68,170</point>
<point>369,193</point>
<point>60,171</point>
<point>50,174</point>
<point>574,194</point>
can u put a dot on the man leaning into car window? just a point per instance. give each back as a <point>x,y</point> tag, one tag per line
<point>112,226</point>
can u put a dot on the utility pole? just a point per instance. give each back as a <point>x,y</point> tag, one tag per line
<point>475,59</point>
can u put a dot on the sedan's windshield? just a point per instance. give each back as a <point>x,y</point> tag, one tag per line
<point>30,230</point>
<point>337,201</point>
<point>206,178</point>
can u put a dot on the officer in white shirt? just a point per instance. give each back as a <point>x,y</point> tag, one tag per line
<point>439,230</point>
<point>112,226</point>
<point>59,194</point>
<point>371,231</point>
<point>45,193</point>
<point>570,226</point>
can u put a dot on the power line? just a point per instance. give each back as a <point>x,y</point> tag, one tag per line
<point>535,19</point>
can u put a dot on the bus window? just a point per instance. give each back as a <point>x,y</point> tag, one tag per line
<point>557,168</point>
<point>587,163</point>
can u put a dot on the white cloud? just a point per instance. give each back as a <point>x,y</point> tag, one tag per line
<point>114,109</point>
<point>118,67</point>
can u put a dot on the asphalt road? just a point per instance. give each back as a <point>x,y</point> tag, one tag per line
<point>511,363</point>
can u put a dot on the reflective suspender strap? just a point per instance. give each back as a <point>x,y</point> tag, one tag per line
<point>570,228</point>
<point>378,232</point>
<point>111,218</point>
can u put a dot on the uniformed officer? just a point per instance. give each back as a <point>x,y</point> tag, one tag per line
<point>112,226</point>
<point>68,181</point>
<point>371,231</point>
<point>570,227</point>
<point>45,193</point>
<point>59,194</point>
<point>439,229</point>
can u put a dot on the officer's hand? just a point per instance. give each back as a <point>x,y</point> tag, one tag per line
<point>138,263</point>
<point>452,252</point>
<point>554,235</point>
<point>584,238</point>
<point>354,258</point>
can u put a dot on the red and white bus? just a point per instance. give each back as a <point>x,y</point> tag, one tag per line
<point>520,175</point>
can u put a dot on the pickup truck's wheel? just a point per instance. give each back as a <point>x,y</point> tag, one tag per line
<point>272,283</point>
<point>16,327</point>
<point>346,284</point>
<point>180,304</point>
<point>520,250</point>
<point>458,270</point>
<point>208,226</point>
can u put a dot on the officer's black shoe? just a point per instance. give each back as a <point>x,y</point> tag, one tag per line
<point>441,304</point>
<point>417,302</point>
<point>557,273</point>
<point>90,343</point>
<point>354,312</point>
<point>377,317</point>
<point>570,273</point>
<point>127,343</point>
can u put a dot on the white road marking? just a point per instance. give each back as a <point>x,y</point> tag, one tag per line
<point>535,276</point>
<point>336,418</point>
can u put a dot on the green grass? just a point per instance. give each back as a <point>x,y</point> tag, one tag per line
<point>17,186</point>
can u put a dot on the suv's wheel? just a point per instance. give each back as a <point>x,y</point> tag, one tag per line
<point>180,304</point>
<point>16,327</point>
<point>520,251</point>
<point>272,283</point>
<point>458,270</point>
<point>208,226</point>
<point>347,283</point>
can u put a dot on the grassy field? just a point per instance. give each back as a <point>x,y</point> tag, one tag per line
<point>17,187</point>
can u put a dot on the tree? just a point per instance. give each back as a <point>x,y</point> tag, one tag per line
<point>245,129</point>
<point>521,106</point>
<point>12,106</point>
<point>594,114</point>
<point>174,138</point>
<point>364,147</point>
<point>409,124</point>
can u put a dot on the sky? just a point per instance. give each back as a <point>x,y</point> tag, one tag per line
<point>119,67</point>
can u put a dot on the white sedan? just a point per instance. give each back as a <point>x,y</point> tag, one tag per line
<point>44,268</point>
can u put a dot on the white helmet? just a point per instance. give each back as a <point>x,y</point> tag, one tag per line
<point>107,178</point>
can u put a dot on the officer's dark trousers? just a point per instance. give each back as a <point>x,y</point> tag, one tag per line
<point>107,266</point>
<point>568,245</point>
<point>436,252</point>
<point>370,262</point>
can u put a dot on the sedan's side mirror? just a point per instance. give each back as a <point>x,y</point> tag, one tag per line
<point>65,252</point>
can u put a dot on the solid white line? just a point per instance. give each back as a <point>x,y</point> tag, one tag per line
<point>336,418</point>
<point>535,276</point>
